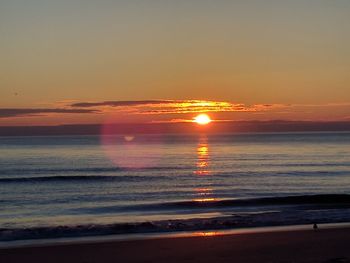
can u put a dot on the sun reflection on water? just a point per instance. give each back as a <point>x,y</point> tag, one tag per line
<point>202,164</point>
<point>206,234</point>
<point>210,199</point>
<point>203,194</point>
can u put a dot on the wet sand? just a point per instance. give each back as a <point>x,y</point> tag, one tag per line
<point>323,245</point>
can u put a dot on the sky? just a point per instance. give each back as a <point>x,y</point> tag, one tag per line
<point>83,61</point>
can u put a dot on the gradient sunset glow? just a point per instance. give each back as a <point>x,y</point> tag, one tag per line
<point>67,63</point>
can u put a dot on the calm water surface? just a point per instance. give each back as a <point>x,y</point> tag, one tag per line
<point>72,180</point>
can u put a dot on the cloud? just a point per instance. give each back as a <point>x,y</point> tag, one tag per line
<point>119,103</point>
<point>141,107</point>
<point>174,106</point>
<point>180,108</point>
<point>20,112</point>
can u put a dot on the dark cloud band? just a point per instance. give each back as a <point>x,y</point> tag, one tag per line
<point>18,112</point>
<point>120,103</point>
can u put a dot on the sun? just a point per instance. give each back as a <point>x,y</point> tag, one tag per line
<point>202,119</point>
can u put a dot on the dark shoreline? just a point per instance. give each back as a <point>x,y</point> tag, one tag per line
<point>283,245</point>
<point>278,126</point>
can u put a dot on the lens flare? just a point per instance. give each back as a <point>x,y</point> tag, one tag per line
<point>130,151</point>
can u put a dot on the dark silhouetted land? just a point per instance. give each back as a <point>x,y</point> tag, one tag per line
<point>323,245</point>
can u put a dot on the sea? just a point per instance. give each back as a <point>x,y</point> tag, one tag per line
<point>74,186</point>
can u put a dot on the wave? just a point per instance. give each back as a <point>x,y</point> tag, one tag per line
<point>89,170</point>
<point>65,178</point>
<point>49,178</point>
<point>259,217</point>
<point>343,164</point>
<point>283,200</point>
<point>335,200</point>
<point>277,173</point>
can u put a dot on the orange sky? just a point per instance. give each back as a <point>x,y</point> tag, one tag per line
<point>169,111</point>
<point>144,61</point>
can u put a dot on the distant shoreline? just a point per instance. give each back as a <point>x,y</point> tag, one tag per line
<point>180,128</point>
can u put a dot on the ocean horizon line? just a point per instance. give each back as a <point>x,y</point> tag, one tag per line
<point>272,126</point>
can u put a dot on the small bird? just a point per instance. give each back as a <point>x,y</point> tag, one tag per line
<point>315,227</point>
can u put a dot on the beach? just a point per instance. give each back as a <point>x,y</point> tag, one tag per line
<point>322,245</point>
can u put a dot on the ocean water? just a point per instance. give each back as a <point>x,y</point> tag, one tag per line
<point>58,186</point>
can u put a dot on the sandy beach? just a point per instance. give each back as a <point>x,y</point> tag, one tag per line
<point>323,245</point>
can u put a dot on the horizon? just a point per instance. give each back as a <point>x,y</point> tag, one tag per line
<point>276,126</point>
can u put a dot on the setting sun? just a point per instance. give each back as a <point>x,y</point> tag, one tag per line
<point>202,119</point>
